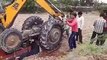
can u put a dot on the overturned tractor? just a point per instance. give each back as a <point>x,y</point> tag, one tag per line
<point>47,35</point>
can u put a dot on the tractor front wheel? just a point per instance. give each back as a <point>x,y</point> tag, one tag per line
<point>10,40</point>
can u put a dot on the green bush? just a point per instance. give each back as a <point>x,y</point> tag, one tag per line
<point>29,7</point>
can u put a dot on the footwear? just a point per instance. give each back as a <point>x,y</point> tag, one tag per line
<point>91,42</point>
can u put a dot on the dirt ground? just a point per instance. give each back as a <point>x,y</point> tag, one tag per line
<point>58,55</point>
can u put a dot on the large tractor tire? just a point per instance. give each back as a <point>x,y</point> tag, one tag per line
<point>51,35</point>
<point>1,28</point>
<point>29,24</point>
<point>10,40</point>
<point>31,21</point>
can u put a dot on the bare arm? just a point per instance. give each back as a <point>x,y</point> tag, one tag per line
<point>71,24</point>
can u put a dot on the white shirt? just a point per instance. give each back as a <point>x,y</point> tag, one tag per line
<point>99,25</point>
<point>80,21</point>
<point>65,24</point>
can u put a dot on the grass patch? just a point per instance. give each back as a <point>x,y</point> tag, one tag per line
<point>90,49</point>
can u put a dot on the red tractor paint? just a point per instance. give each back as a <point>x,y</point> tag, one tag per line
<point>14,55</point>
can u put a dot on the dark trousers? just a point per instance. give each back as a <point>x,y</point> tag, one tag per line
<point>98,42</point>
<point>34,50</point>
<point>79,36</point>
<point>93,35</point>
<point>72,40</point>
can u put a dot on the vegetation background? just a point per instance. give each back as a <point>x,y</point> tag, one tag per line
<point>64,5</point>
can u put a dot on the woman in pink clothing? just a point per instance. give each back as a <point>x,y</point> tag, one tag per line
<point>72,22</point>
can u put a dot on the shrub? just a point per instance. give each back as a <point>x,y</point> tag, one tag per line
<point>29,7</point>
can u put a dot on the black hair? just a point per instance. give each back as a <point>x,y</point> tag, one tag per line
<point>74,13</point>
<point>80,13</point>
<point>103,14</point>
<point>71,11</point>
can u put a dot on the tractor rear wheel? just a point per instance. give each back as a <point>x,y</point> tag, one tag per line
<point>29,24</point>
<point>31,21</point>
<point>51,35</point>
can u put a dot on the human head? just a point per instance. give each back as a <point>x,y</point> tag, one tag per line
<point>73,15</point>
<point>101,15</point>
<point>71,11</point>
<point>80,13</point>
<point>104,15</point>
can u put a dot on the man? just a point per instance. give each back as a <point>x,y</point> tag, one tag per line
<point>80,20</point>
<point>66,27</point>
<point>72,22</point>
<point>99,30</point>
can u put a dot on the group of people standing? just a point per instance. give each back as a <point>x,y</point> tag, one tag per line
<point>75,22</point>
<point>100,30</point>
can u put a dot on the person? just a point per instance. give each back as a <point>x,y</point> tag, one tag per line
<point>80,20</point>
<point>98,30</point>
<point>35,49</point>
<point>72,22</point>
<point>103,37</point>
<point>66,27</point>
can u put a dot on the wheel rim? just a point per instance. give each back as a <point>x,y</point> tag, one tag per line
<point>12,41</point>
<point>54,35</point>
